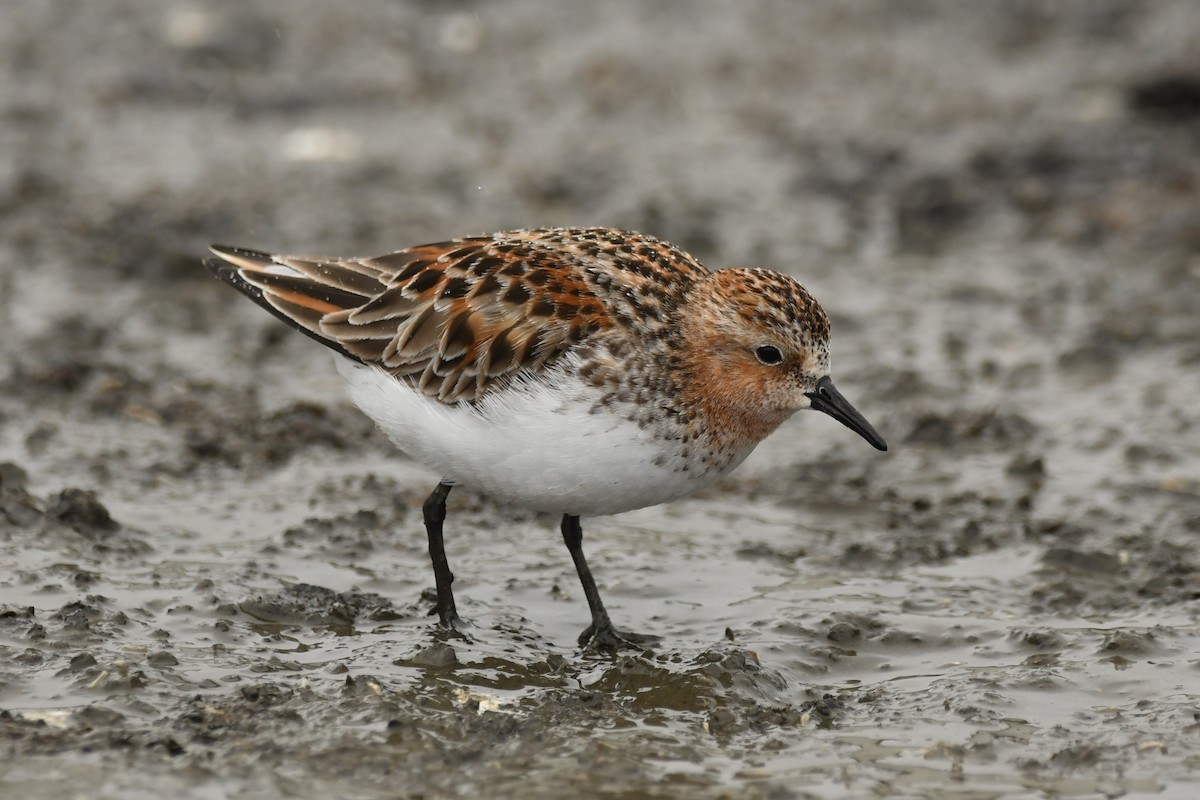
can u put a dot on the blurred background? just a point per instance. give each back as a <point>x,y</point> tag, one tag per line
<point>997,204</point>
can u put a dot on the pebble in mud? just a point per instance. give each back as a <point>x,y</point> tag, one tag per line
<point>82,511</point>
<point>437,655</point>
<point>306,604</point>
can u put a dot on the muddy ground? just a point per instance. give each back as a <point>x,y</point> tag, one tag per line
<point>213,579</point>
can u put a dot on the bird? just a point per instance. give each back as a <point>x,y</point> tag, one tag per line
<point>576,371</point>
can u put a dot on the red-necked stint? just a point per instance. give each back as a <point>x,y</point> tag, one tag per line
<point>579,371</point>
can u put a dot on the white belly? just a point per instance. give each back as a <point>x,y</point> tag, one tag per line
<point>533,446</point>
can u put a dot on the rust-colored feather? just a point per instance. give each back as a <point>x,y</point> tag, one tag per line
<point>461,317</point>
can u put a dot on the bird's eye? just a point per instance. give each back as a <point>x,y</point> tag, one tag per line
<point>768,354</point>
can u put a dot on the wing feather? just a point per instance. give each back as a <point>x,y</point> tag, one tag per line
<point>461,318</point>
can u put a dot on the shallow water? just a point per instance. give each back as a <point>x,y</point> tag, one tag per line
<point>213,579</point>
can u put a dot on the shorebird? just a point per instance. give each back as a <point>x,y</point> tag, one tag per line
<point>580,371</point>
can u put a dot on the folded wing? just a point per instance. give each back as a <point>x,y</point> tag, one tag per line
<point>455,319</point>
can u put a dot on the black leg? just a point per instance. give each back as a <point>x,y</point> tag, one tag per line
<point>573,536</point>
<point>435,514</point>
<point>600,634</point>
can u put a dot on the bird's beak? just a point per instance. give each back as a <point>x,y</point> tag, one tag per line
<point>829,400</point>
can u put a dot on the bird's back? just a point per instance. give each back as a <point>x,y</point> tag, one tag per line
<point>462,318</point>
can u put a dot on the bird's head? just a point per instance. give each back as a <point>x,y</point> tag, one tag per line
<point>758,351</point>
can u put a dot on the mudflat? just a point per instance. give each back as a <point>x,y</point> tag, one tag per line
<point>213,575</point>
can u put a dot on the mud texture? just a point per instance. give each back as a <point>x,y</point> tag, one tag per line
<point>213,578</point>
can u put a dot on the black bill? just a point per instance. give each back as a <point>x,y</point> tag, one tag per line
<point>829,400</point>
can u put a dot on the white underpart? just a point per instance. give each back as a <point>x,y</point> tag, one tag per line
<point>537,445</point>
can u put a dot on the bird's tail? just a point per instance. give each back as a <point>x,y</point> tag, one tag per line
<point>300,291</point>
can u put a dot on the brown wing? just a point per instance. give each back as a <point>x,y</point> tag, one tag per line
<point>453,318</point>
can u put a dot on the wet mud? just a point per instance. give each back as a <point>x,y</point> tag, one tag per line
<point>213,577</point>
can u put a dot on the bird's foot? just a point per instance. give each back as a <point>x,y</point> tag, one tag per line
<point>450,620</point>
<point>447,613</point>
<point>451,627</point>
<point>608,639</point>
